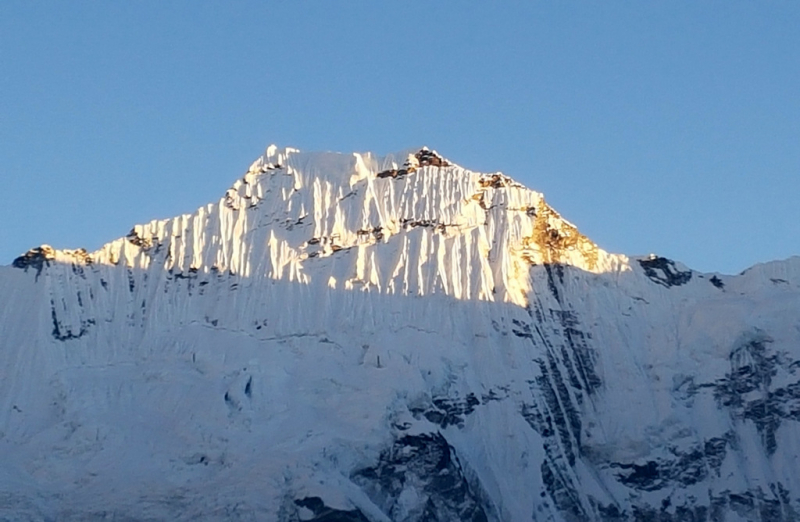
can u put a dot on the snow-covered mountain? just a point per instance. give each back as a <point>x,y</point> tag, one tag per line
<point>354,338</point>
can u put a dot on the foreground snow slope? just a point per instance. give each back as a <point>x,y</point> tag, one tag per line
<point>345,337</point>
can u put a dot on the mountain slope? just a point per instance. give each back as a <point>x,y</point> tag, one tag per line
<point>346,337</point>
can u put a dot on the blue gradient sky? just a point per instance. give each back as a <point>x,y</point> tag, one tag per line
<point>667,127</point>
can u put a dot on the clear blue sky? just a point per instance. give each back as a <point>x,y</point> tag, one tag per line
<point>667,127</point>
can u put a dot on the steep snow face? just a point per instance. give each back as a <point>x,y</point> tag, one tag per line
<point>424,227</point>
<point>346,337</point>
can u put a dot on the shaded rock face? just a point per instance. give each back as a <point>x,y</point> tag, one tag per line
<point>425,470</point>
<point>760,390</point>
<point>322,513</point>
<point>41,257</point>
<point>662,271</point>
<point>748,391</point>
<point>423,158</point>
<point>446,411</point>
<point>683,469</point>
<point>35,258</point>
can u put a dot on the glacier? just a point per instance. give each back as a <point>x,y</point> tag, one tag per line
<point>348,337</point>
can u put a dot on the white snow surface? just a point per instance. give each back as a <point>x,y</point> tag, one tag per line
<point>223,364</point>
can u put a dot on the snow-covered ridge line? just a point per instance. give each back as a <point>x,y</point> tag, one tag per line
<point>446,229</point>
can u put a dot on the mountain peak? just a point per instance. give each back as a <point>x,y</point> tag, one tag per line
<point>410,223</point>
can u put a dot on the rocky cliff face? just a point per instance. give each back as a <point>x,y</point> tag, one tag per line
<point>345,337</point>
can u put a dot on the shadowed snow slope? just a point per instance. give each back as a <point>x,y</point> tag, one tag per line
<point>353,338</point>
